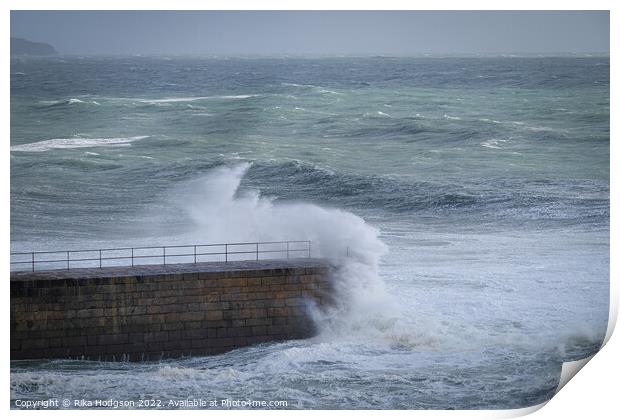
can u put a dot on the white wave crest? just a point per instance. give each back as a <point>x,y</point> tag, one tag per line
<point>235,96</point>
<point>62,102</point>
<point>74,143</point>
<point>493,143</point>
<point>171,100</point>
<point>70,101</point>
<point>193,98</point>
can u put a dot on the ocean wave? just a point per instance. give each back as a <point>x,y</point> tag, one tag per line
<point>234,96</point>
<point>377,114</point>
<point>358,190</point>
<point>564,200</point>
<point>61,102</point>
<point>171,100</point>
<point>493,143</point>
<point>520,125</point>
<point>74,143</point>
<point>378,127</point>
<point>319,89</point>
<point>191,98</point>
<point>298,85</point>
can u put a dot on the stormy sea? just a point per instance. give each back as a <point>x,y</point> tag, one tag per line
<point>470,196</point>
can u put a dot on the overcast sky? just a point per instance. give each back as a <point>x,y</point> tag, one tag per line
<point>348,32</point>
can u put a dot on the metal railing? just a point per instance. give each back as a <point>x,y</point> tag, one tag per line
<point>125,257</point>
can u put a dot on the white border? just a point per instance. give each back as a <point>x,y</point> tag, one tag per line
<point>593,393</point>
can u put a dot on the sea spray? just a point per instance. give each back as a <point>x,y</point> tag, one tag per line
<point>222,213</point>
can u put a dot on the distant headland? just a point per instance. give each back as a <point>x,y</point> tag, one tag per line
<point>20,46</point>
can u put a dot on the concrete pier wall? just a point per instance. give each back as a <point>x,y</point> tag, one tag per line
<point>154,312</point>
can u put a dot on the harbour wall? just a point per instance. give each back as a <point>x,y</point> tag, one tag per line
<point>154,312</point>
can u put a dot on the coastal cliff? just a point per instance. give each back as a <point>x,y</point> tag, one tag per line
<point>20,46</point>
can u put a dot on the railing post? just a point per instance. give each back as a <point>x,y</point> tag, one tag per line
<point>226,252</point>
<point>256,251</point>
<point>287,249</point>
<point>309,249</point>
<point>132,257</point>
<point>194,254</point>
<point>164,255</point>
<point>68,260</point>
<point>100,258</point>
<point>33,261</point>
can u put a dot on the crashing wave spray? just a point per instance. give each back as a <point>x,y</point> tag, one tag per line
<point>222,213</point>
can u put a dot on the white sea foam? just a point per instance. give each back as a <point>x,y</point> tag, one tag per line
<point>70,101</point>
<point>62,101</point>
<point>331,92</point>
<point>375,114</point>
<point>448,117</point>
<point>493,143</point>
<point>493,121</point>
<point>235,96</point>
<point>169,100</point>
<point>319,89</point>
<point>192,98</point>
<point>74,143</point>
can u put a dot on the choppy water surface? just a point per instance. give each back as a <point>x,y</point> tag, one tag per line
<point>473,194</point>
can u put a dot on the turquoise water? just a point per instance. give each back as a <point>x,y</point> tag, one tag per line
<point>473,193</point>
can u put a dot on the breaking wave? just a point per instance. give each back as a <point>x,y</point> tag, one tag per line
<point>74,143</point>
<point>193,99</point>
<point>223,213</point>
<point>63,102</point>
<point>539,199</point>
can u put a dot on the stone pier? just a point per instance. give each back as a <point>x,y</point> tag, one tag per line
<point>154,312</point>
